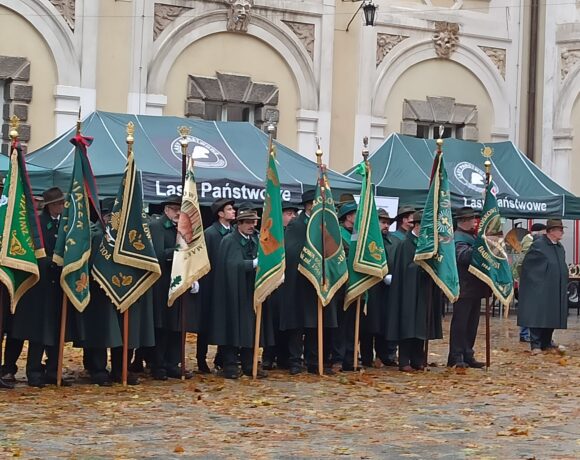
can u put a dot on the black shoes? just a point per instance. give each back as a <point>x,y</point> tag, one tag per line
<point>295,370</point>
<point>132,379</point>
<point>175,373</point>
<point>475,364</point>
<point>203,367</point>
<point>326,370</point>
<point>267,365</point>
<point>6,384</point>
<point>259,375</point>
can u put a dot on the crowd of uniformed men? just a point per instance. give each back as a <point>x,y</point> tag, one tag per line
<point>403,311</point>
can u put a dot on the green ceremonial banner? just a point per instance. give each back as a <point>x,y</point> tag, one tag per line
<point>367,261</point>
<point>436,247</point>
<point>18,266</point>
<point>489,261</point>
<point>322,259</point>
<point>190,261</point>
<point>270,272</point>
<point>73,243</point>
<point>126,265</point>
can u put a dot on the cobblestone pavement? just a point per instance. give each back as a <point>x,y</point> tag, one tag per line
<point>524,407</point>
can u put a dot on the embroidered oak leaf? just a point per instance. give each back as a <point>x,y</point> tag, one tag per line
<point>138,245</point>
<point>122,280</point>
<point>116,281</point>
<point>15,245</point>
<point>127,280</point>
<point>132,235</point>
<point>176,281</point>
<point>376,251</point>
<point>115,220</point>
<point>82,283</point>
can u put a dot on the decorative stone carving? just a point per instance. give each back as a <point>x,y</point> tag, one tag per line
<point>17,97</point>
<point>497,56</point>
<point>234,88</point>
<point>440,110</point>
<point>239,14</point>
<point>568,60</point>
<point>305,33</point>
<point>445,38</point>
<point>165,15</point>
<point>385,43</point>
<point>67,10</point>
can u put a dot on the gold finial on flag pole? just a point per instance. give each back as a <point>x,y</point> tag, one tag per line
<point>318,152</point>
<point>130,136</point>
<point>79,122</point>
<point>184,132</point>
<point>14,125</point>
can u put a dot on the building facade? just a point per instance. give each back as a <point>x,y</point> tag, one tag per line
<point>485,70</point>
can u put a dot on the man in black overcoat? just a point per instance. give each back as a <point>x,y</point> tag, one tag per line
<point>224,214</point>
<point>412,293</point>
<point>372,337</point>
<point>233,320</point>
<point>543,300</point>
<point>466,310</point>
<point>166,355</point>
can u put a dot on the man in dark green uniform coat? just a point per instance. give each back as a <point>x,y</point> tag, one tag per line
<point>225,214</point>
<point>404,221</point>
<point>299,315</point>
<point>277,353</point>
<point>343,336</point>
<point>372,337</point>
<point>37,317</point>
<point>466,310</point>
<point>233,319</point>
<point>166,354</point>
<point>412,291</point>
<point>543,302</point>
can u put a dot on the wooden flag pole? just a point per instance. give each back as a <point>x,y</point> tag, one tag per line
<point>356,332</point>
<point>320,340</point>
<point>487,335</point>
<point>1,320</point>
<point>184,132</point>
<point>61,339</point>
<point>125,347</point>
<point>257,340</point>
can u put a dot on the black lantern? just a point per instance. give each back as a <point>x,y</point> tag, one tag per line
<point>369,10</point>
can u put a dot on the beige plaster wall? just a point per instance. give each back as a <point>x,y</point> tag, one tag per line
<point>431,78</point>
<point>19,38</point>
<point>114,55</point>
<point>344,86</point>
<point>251,57</point>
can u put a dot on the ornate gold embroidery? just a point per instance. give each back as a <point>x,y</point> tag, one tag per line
<point>16,248</point>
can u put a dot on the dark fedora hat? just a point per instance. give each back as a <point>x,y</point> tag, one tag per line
<point>346,208</point>
<point>172,199</point>
<point>466,213</point>
<point>308,196</point>
<point>287,205</point>
<point>219,205</point>
<point>404,211</point>
<point>554,223</point>
<point>538,227</point>
<point>247,214</point>
<point>53,195</point>
<point>107,205</point>
<point>417,216</point>
<point>383,214</point>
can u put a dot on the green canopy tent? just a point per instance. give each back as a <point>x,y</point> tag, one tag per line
<point>230,159</point>
<point>41,177</point>
<point>402,167</point>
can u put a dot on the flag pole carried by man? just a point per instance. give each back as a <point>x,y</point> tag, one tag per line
<point>367,263</point>
<point>126,265</point>
<point>322,260</point>
<point>435,251</point>
<point>73,243</point>
<point>190,260</point>
<point>21,241</point>
<point>271,255</point>
<point>489,261</point>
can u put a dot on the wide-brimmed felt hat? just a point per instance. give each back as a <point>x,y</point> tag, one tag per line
<point>383,214</point>
<point>107,205</point>
<point>554,223</point>
<point>466,213</point>
<point>538,227</point>
<point>219,205</point>
<point>417,216</point>
<point>247,214</point>
<point>172,199</point>
<point>308,195</point>
<point>53,195</point>
<point>346,208</point>
<point>245,205</point>
<point>288,205</point>
<point>404,211</point>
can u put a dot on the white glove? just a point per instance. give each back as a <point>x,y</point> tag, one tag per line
<point>388,279</point>
<point>255,262</point>
<point>194,287</point>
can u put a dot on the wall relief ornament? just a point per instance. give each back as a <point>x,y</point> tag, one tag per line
<point>385,43</point>
<point>67,10</point>
<point>305,33</point>
<point>165,15</point>
<point>445,38</point>
<point>568,60</point>
<point>239,15</point>
<point>497,56</point>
